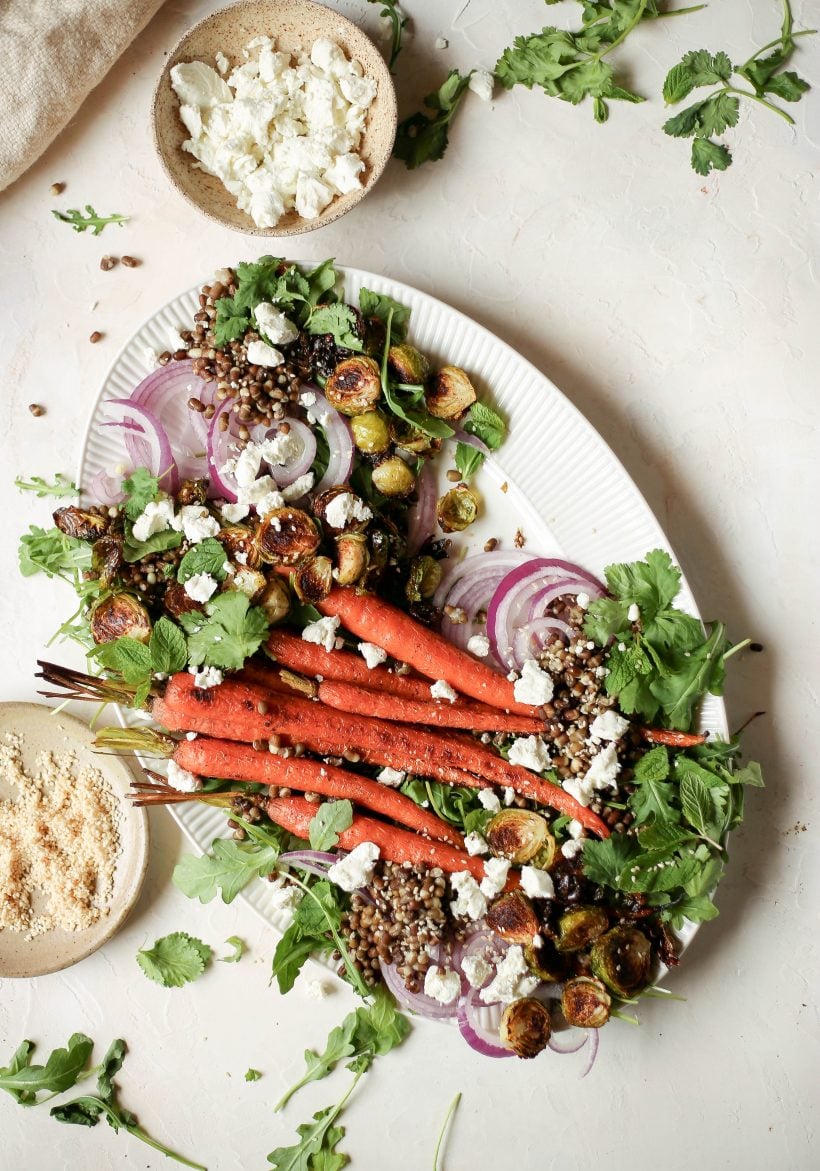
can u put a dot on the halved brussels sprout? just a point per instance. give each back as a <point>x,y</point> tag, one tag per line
<point>424,578</point>
<point>354,386</point>
<point>192,492</point>
<point>239,539</point>
<point>513,917</point>
<point>351,558</point>
<point>118,615</point>
<point>313,579</point>
<point>245,581</point>
<point>585,1003</point>
<point>177,602</point>
<point>525,1027</point>
<point>408,364</point>
<point>545,962</point>
<point>546,856</point>
<point>393,477</point>
<point>371,433</point>
<point>579,927</point>
<point>76,522</point>
<point>410,438</point>
<point>286,535</point>
<point>457,509</point>
<point>340,521</point>
<point>622,958</point>
<point>449,393</point>
<point>106,559</point>
<point>517,834</point>
<point>275,600</point>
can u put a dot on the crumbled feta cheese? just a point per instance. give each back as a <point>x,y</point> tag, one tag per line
<point>206,677</point>
<point>356,869</point>
<point>482,83</point>
<point>281,448</point>
<point>476,969</point>
<point>475,844</point>
<point>537,884</point>
<point>267,504</point>
<point>512,979</point>
<point>470,902</point>
<point>530,752</point>
<point>633,613</point>
<point>322,632</point>
<point>582,600</point>
<point>222,62</point>
<point>391,776</point>
<point>579,789</point>
<point>261,354</point>
<point>201,587</point>
<point>441,689</point>
<point>479,645</point>
<point>284,898</point>
<point>197,523</point>
<point>441,43</point>
<point>307,398</point>
<point>256,489</point>
<point>156,518</point>
<point>299,488</point>
<point>191,735</point>
<point>575,830</point>
<point>570,849</point>
<point>495,875</point>
<point>344,508</point>
<point>373,655</point>
<point>603,771</point>
<point>274,325</point>
<point>318,989</point>
<point>537,940</point>
<point>489,800</point>
<point>233,513</point>
<point>441,984</point>
<point>344,173</point>
<point>181,780</point>
<point>197,84</point>
<point>608,726</point>
<point>245,468</point>
<point>535,686</point>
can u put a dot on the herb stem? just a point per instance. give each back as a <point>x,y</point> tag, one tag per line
<point>638,17</point>
<point>355,977</point>
<point>447,1118</point>
<point>744,93</point>
<point>679,11</point>
<point>739,646</point>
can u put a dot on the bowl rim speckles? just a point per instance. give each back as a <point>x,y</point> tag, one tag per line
<point>41,728</point>
<point>294,24</point>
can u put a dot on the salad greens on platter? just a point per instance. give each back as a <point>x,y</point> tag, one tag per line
<point>470,784</point>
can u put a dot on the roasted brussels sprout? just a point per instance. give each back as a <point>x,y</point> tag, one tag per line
<point>408,364</point>
<point>349,514</point>
<point>392,477</point>
<point>410,438</point>
<point>246,581</point>
<point>424,578</point>
<point>286,535</point>
<point>371,433</point>
<point>275,600</point>
<point>313,579</point>
<point>622,959</point>
<point>239,539</point>
<point>513,917</point>
<point>525,1027</point>
<point>374,336</point>
<point>449,393</point>
<point>585,1003</point>
<point>517,834</point>
<point>545,962</point>
<point>76,522</point>
<point>579,927</point>
<point>106,559</point>
<point>192,492</point>
<point>379,548</point>
<point>351,558</point>
<point>118,615</point>
<point>354,386</point>
<point>177,602</point>
<point>457,509</point>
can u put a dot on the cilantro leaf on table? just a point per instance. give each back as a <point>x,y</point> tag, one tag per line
<point>238,950</point>
<point>61,486</point>
<point>230,633</point>
<point>141,488</point>
<point>174,960</point>
<point>253,1075</point>
<point>82,222</point>
<point>486,424</point>
<point>63,1069</point>
<point>338,320</point>
<point>468,459</point>
<point>331,818</point>
<point>423,137</point>
<point>225,871</point>
<point>206,557</point>
<point>379,305</point>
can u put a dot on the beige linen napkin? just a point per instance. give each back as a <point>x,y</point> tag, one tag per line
<point>52,54</point>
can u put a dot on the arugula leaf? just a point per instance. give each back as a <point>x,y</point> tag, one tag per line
<point>232,631</point>
<point>238,945</point>
<point>174,960</point>
<point>206,557</point>
<point>81,223</point>
<point>225,871</point>
<point>292,951</point>
<point>487,425</point>
<point>318,1141</point>
<point>468,459</point>
<point>61,486</point>
<point>338,320</point>
<point>159,542</point>
<point>408,402</point>
<point>379,305</point>
<point>142,488</point>
<point>62,1070</point>
<point>331,818</point>
<point>315,928</point>
<point>51,552</point>
<point>253,1075</point>
<point>422,137</point>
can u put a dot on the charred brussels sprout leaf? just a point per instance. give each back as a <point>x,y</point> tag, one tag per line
<point>457,509</point>
<point>513,917</point>
<point>120,616</point>
<point>407,364</point>
<point>517,834</point>
<point>424,578</point>
<point>449,393</point>
<point>579,927</point>
<point>313,579</point>
<point>76,522</point>
<point>355,386</point>
<point>525,1027</point>
<point>286,535</point>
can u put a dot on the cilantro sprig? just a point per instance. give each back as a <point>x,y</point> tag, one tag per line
<point>710,117</point>
<point>229,632</point>
<point>423,137</point>
<point>175,959</point>
<point>90,220</point>
<point>392,12</point>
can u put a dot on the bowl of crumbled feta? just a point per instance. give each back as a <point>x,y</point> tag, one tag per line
<point>274,117</point>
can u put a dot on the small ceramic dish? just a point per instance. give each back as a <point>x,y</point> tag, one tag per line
<point>294,25</point>
<point>39,731</point>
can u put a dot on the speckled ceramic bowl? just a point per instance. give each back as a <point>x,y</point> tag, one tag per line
<point>295,25</point>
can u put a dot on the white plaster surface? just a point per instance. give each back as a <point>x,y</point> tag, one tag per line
<point>682,315</point>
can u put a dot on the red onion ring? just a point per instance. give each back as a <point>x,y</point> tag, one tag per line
<point>145,440</point>
<point>417,1002</point>
<point>339,441</point>
<point>218,452</point>
<point>594,1042</point>
<point>316,862</point>
<point>573,1047</point>
<point>524,637</point>
<point>462,436</point>
<point>165,393</point>
<point>421,517</point>
<point>105,489</point>
<point>483,1040</point>
<point>286,473</point>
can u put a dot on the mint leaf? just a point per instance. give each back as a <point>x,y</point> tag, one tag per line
<point>206,557</point>
<point>379,305</point>
<point>487,425</point>
<point>232,631</point>
<point>174,960</point>
<point>332,817</point>
<point>468,459</point>
<point>167,649</point>
<point>142,488</point>
<point>696,803</point>
<point>127,657</point>
<point>653,766</point>
<point>225,871</point>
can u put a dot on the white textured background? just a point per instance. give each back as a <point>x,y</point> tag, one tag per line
<point>682,315</point>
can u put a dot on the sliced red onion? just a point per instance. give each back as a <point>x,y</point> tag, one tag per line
<point>470,585</point>
<point>474,568</point>
<point>219,450</point>
<point>286,473</point>
<point>105,489</point>
<point>145,440</point>
<point>165,393</point>
<point>320,860</point>
<point>416,1002</point>
<point>471,441</point>
<point>594,1042</point>
<point>484,1041</point>
<point>421,517</point>
<point>574,1046</point>
<point>531,639</point>
<point>339,441</point>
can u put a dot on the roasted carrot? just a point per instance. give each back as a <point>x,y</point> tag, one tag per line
<point>671,738</point>
<point>290,650</point>
<point>396,845</point>
<point>378,621</point>
<point>476,716</point>
<point>244,712</point>
<point>239,762</point>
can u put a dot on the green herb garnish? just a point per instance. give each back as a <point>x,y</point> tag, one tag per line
<point>486,424</point>
<point>231,632</point>
<point>238,950</point>
<point>379,305</point>
<point>174,960</point>
<point>447,1119</point>
<point>468,459</point>
<point>423,137</point>
<point>253,1075</point>
<point>61,486</point>
<point>81,223</point>
<point>331,818</point>
<point>398,22</point>
<point>138,663</point>
<point>229,868</point>
<point>53,553</point>
<point>206,557</point>
<point>283,284</point>
<point>141,489</point>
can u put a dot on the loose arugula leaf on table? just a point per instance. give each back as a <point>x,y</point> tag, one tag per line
<point>61,486</point>
<point>331,818</point>
<point>238,950</point>
<point>253,1075</point>
<point>468,459</point>
<point>206,557</point>
<point>62,1070</point>
<point>174,960</point>
<point>225,871</point>
<point>316,1149</point>
<point>422,137</point>
<point>380,305</point>
<point>82,222</point>
<point>53,553</point>
<point>231,631</point>
<point>392,11</point>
